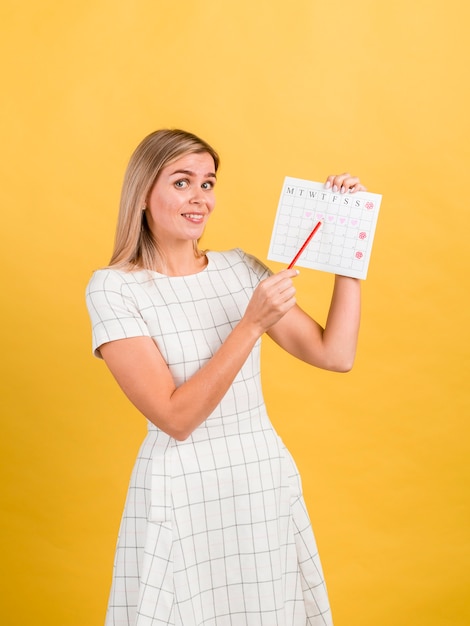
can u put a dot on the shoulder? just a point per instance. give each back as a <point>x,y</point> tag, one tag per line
<point>112,279</point>
<point>102,278</point>
<point>115,300</point>
<point>239,260</point>
<point>111,288</point>
<point>237,257</point>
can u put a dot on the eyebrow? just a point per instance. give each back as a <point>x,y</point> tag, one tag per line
<point>190,173</point>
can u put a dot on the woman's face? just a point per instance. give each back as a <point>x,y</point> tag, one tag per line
<point>182,199</point>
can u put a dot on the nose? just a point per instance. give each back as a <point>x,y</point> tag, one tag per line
<point>197,195</point>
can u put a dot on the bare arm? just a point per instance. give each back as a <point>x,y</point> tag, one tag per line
<point>142,373</point>
<point>334,347</point>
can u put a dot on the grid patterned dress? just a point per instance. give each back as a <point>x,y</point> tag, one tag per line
<point>215,531</point>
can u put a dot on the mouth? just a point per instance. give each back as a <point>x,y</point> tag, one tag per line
<point>194,217</point>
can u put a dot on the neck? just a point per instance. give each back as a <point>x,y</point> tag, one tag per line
<point>181,262</point>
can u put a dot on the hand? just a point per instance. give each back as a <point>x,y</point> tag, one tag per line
<point>344,183</point>
<point>271,300</point>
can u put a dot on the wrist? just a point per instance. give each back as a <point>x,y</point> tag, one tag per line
<point>249,329</point>
<point>340,278</point>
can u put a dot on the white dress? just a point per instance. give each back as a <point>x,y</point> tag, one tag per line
<point>215,531</point>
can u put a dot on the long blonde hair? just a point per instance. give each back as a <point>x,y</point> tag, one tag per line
<point>134,246</point>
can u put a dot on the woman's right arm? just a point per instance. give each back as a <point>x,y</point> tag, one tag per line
<point>140,370</point>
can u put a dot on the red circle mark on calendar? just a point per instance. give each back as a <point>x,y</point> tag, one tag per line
<point>362,235</point>
<point>369,205</point>
<point>359,255</point>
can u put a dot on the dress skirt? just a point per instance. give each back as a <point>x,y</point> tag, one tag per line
<point>215,532</point>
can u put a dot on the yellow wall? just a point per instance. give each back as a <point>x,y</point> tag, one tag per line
<point>300,88</point>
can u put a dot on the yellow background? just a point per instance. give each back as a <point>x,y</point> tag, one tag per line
<point>300,88</point>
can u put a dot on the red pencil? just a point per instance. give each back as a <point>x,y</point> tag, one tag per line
<point>307,241</point>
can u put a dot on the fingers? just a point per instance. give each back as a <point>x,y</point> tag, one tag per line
<point>283,275</point>
<point>271,300</point>
<point>280,291</point>
<point>344,183</point>
<point>277,293</point>
<point>282,284</point>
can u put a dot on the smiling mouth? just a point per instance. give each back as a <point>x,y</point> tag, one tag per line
<point>195,217</point>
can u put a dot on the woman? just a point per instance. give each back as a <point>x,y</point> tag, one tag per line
<point>215,530</point>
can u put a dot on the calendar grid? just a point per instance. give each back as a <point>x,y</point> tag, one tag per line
<point>343,244</point>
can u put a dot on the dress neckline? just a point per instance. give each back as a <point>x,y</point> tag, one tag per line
<point>202,271</point>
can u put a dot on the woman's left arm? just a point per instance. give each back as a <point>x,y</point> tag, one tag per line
<point>333,347</point>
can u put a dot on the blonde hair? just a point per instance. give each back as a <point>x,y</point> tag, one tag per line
<point>134,246</point>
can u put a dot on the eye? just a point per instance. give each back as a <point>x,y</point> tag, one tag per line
<point>181,184</point>
<point>209,184</point>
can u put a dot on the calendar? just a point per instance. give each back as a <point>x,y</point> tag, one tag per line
<point>342,243</point>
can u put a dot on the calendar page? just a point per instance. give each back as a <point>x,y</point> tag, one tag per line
<point>342,243</point>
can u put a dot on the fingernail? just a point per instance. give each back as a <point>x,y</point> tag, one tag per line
<point>335,188</point>
<point>343,190</point>
<point>327,184</point>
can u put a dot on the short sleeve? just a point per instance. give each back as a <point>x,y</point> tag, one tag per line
<point>258,270</point>
<point>113,309</point>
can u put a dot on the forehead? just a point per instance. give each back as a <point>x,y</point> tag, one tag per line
<point>200,163</point>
